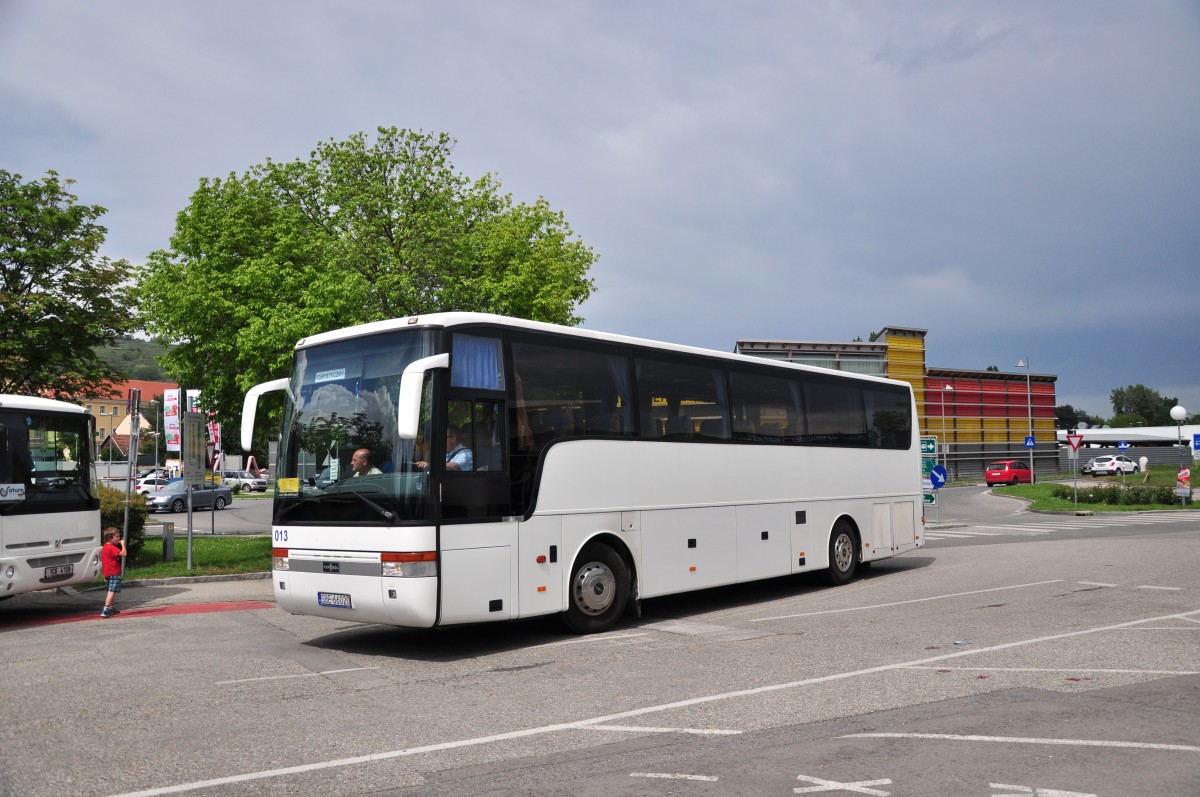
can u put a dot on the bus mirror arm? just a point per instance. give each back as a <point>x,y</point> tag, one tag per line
<point>408,409</point>
<point>250,406</point>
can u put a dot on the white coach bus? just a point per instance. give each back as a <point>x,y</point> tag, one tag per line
<point>49,501</point>
<point>599,470</point>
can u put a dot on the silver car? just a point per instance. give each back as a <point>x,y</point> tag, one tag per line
<point>174,498</point>
<point>245,480</point>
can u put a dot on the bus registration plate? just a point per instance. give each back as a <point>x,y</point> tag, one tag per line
<point>58,572</point>
<point>337,599</point>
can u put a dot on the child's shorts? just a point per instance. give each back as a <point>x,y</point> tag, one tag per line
<point>114,583</point>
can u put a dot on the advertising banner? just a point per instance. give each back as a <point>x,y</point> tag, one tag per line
<point>171,418</point>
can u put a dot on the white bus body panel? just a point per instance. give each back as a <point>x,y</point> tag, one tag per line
<point>32,543</point>
<point>312,551</point>
<point>478,571</point>
<point>696,519</point>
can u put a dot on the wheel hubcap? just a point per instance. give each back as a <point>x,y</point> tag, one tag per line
<point>594,589</point>
<point>843,552</point>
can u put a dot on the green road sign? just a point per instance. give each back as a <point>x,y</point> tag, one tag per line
<point>927,465</point>
<point>929,498</point>
<point>929,445</point>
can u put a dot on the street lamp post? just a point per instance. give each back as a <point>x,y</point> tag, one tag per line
<point>1029,404</point>
<point>945,440</point>
<point>1179,415</point>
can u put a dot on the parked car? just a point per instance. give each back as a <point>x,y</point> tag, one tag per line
<point>150,484</point>
<point>174,498</point>
<point>1089,465</point>
<point>244,479</point>
<point>1008,471</point>
<point>1113,464</point>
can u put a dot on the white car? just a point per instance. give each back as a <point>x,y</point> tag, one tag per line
<point>150,484</point>
<point>244,480</point>
<point>1112,464</point>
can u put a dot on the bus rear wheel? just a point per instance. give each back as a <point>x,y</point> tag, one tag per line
<point>599,590</point>
<point>843,554</point>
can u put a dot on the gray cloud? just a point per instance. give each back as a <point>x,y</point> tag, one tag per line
<point>1019,178</point>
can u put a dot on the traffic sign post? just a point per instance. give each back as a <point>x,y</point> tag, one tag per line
<point>1075,440</point>
<point>1030,441</point>
<point>937,477</point>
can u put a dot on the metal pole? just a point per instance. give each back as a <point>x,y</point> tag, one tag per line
<point>1029,402</point>
<point>1179,431</point>
<point>945,453</point>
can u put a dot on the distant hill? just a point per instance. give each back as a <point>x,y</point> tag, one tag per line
<point>135,359</point>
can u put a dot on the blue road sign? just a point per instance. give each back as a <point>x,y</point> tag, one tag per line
<point>1196,442</point>
<point>937,476</point>
<point>1030,442</point>
<point>1123,445</point>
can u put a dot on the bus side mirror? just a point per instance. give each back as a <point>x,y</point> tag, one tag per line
<point>408,410</point>
<point>250,406</point>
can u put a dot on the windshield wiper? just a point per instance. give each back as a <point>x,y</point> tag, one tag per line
<point>386,514</point>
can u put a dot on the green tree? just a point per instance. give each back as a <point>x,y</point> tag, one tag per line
<point>59,299</point>
<point>1067,417</point>
<point>359,232</point>
<point>1142,401</point>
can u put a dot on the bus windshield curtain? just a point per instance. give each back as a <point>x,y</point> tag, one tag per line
<point>618,367</point>
<point>475,363</point>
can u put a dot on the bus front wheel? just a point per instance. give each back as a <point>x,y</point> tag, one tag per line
<point>843,554</point>
<point>599,590</point>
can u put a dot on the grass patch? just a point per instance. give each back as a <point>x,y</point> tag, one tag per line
<point>211,556</point>
<point>1041,495</point>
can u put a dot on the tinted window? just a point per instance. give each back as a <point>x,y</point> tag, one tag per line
<point>765,408</point>
<point>836,413</point>
<point>680,401</point>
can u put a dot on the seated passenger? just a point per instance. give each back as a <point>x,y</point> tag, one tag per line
<point>360,463</point>
<point>458,456</point>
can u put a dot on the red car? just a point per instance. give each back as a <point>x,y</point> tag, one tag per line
<point>1008,471</point>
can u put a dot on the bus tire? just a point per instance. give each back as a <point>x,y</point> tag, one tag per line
<point>598,591</point>
<point>843,554</point>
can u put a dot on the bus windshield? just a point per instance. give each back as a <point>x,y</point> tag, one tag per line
<point>341,460</point>
<point>45,463</point>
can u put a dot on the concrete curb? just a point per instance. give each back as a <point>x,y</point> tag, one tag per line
<point>162,582</point>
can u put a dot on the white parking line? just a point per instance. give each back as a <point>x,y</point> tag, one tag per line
<point>524,733</point>
<point>904,603</point>
<point>298,675</point>
<point>1072,669</point>
<point>1175,748</point>
<point>671,776</point>
<point>653,729</point>
<point>1151,586</point>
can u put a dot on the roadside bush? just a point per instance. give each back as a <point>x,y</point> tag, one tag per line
<point>1115,495</point>
<point>112,513</point>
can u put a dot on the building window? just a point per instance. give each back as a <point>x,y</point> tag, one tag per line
<point>102,408</point>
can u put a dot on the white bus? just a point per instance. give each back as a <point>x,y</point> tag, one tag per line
<point>603,469</point>
<point>49,501</point>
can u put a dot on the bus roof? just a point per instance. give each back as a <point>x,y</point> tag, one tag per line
<point>38,404</point>
<point>453,319</point>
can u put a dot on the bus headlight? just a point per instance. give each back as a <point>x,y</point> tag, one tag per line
<point>418,564</point>
<point>279,558</point>
<point>10,571</point>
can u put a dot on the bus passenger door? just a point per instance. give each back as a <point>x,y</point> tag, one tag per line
<point>540,567</point>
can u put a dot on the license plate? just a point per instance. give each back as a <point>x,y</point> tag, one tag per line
<point>58,572</point>
<point>339,600</point>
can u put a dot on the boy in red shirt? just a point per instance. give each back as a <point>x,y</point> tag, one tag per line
<point>110,565</point>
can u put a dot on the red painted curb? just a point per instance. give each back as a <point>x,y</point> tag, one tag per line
<point>149,611</point>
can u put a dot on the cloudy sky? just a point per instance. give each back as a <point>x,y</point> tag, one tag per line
<point>1021,179</point>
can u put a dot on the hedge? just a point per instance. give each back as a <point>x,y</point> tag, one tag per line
<point>1117,495</point>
